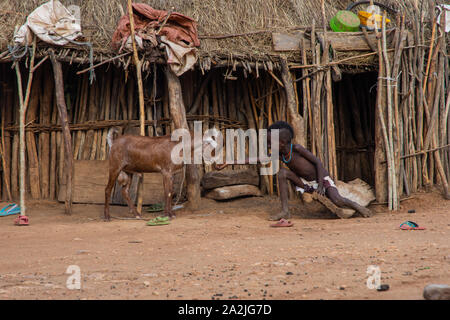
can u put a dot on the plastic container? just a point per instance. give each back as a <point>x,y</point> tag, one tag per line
<point>345,21</point>
<point>368,22</point>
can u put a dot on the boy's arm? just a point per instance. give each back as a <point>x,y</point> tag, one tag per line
<point>320,170</point>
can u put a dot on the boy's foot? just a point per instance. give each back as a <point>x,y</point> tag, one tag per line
<point>365,212</point>
<point>340,212</point>
<point>344,213</point>
<point>281,215</point>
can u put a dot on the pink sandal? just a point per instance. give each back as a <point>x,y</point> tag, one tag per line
<point>282,223</point>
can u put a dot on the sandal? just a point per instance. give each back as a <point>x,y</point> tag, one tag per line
<point>410,225</point>
<point>282,223</point>
<point>159,221</point>
<point>9,209</point>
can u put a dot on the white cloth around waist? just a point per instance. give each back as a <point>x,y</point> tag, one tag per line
<point>314,184</point>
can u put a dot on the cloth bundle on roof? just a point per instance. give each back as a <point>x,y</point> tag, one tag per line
<point>52,23</point>
<point>179,35</point>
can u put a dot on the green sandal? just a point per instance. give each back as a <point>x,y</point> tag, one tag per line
<point>159,221</point>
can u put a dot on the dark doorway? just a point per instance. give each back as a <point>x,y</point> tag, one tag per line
<point>354,114</point>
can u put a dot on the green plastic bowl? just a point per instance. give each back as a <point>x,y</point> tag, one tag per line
<point>345,21</point>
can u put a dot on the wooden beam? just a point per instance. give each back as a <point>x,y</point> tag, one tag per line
<point>178,114</point>
<point>340,41</point>
<point>138,65</point>
<point>62,109</point>
<point>296,120</point>
<point>23,101</point>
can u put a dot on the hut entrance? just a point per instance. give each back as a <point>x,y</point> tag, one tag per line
<point>355,101</point>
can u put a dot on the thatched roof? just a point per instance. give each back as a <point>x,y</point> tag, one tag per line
<point>215,17</point>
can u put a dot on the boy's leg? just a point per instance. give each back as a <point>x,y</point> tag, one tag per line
<point>285,175</point>
<point>333,194</point>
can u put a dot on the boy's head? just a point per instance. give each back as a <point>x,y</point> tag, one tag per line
<point>286,133</point>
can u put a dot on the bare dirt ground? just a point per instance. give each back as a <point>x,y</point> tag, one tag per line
<point>225,250</point>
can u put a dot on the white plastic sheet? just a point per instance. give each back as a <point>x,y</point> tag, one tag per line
<point>445,10</point>
<point>51,22</point>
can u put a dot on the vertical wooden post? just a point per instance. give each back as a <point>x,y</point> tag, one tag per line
<point>138,64</point>
<point>331,140</point>
<point>296,120</point>
<point>62,109</point>
<point>178,115</point>
<point>22,112</point>
<point>381,183</point>
<point>21,143</point>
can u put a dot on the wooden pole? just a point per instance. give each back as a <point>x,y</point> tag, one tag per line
<point>297,121</point>
<point>62,109</point>
<point>21,143</point>
<point>331,140</point>
<point>178,114</point>
<point>392,195</point>
<point>138,65</point>
<point>22,112</point>
<point>381,136</point>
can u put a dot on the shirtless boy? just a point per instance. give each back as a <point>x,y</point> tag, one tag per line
<point>305,171</point>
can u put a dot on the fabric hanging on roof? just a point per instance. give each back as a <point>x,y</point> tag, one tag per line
<point>179,35</point>
<point>180,58</point>
<point>51,22</point>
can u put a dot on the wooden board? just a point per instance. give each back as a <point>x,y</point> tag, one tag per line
<point>91,176</point>
<point>216,179</point>
<point>230,192</point>
<point>340,41</point>
<point>286,41</point>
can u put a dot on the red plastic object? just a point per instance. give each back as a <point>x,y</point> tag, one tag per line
<point>21,221</point>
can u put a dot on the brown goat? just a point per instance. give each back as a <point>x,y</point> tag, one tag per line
<point>138,154</point>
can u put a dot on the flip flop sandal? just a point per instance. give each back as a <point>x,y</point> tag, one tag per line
<point>159,221</point>
<point>21,221</point>
<point>9,209</point>
<point>410,225</point>
<point>282,223</point>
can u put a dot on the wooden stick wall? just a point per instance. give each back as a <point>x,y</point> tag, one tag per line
<point>238,102</point>
<point>413,86</point>
<point>341,119</point>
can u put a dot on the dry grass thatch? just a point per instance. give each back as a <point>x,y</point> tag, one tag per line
<point>99,19</point>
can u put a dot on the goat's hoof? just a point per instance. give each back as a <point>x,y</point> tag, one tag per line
<point>107,219</point>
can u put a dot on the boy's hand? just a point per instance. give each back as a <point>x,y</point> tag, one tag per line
<point>320,189</point>
<point>220,166</point>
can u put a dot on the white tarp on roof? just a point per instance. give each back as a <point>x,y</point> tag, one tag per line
<point>445,10</point>
<point>49,22</point>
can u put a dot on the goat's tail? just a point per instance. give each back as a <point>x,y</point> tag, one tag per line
<point>112,133</point>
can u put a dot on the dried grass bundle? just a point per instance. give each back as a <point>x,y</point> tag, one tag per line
<point>99,19</point>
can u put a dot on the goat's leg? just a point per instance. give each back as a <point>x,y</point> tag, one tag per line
<point>168,193</point>
<point>113,174</point>
<point>125,181</point>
